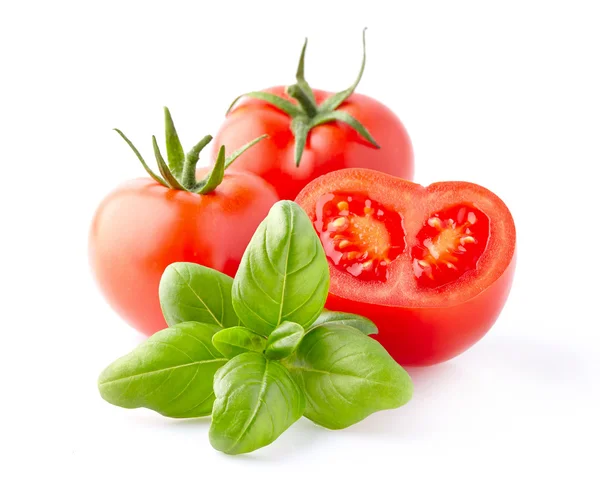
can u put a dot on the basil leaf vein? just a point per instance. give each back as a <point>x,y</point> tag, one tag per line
<point>234,341</point>
<point>361,323</point>
<point>346,376</point>
<point>192,292</point>
<point>256,401</point>
<point>284,340</point>
<point>171,372</point>
<point>284,274</point>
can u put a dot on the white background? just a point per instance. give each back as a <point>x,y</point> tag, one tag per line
<point>505,94</point>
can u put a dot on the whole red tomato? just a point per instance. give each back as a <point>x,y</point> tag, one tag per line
<point>148,223</point>
<point>431,266</point>
<point>313,133</point>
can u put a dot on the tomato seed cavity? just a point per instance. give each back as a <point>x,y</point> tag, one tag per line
<point>359,235</point>
<point>449,245</point>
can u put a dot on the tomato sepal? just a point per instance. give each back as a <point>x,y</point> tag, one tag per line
<point>337,99</point>
<point>348,119</point>
<point>165,171</point>
<point>278,102</point>
<point>144,164</point>
<point>175,153</point>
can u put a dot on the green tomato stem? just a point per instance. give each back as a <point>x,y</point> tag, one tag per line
<point>188,175</point>
<point>304,100</point>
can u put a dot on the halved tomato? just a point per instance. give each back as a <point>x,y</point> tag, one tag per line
<point>430,266</point>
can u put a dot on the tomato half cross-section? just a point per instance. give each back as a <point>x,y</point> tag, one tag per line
<point>314,132</point>
<point>432,266</point>
<point>146,224</point>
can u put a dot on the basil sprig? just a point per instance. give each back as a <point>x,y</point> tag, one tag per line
<point>259,351</point>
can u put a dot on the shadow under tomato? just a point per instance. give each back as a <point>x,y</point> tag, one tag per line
<point>485,377</point>
<point>544,361</point>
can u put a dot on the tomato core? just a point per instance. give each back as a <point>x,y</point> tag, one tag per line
<point>359,235</point>
<point>449,245</point>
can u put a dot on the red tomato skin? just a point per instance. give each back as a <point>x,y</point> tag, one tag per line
<point>331,146</point>
<point>142,227</point>
<point>430,335</point>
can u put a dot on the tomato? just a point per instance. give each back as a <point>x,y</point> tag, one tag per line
<point>314,132</point>
<point>148,223</point>
<point>431,266</point>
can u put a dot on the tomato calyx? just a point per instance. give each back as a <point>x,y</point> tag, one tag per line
<point>306,113</point>
<point>179,172</point>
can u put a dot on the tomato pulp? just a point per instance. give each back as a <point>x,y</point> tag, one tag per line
<point>431,266</point>
<point>142,227</point>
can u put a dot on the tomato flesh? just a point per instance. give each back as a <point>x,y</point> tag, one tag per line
<point>449,245</point>
<point>359,235</point>
<point>443,258</point>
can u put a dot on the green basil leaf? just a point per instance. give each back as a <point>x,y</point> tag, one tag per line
<point>171,372</point>
<point>364,325</point>
<point>234,341</point>
<point>284,340</point>
<point>346,376</point>
<point>192,292</point>
<point>283,275</point>
<point>257,400</point>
